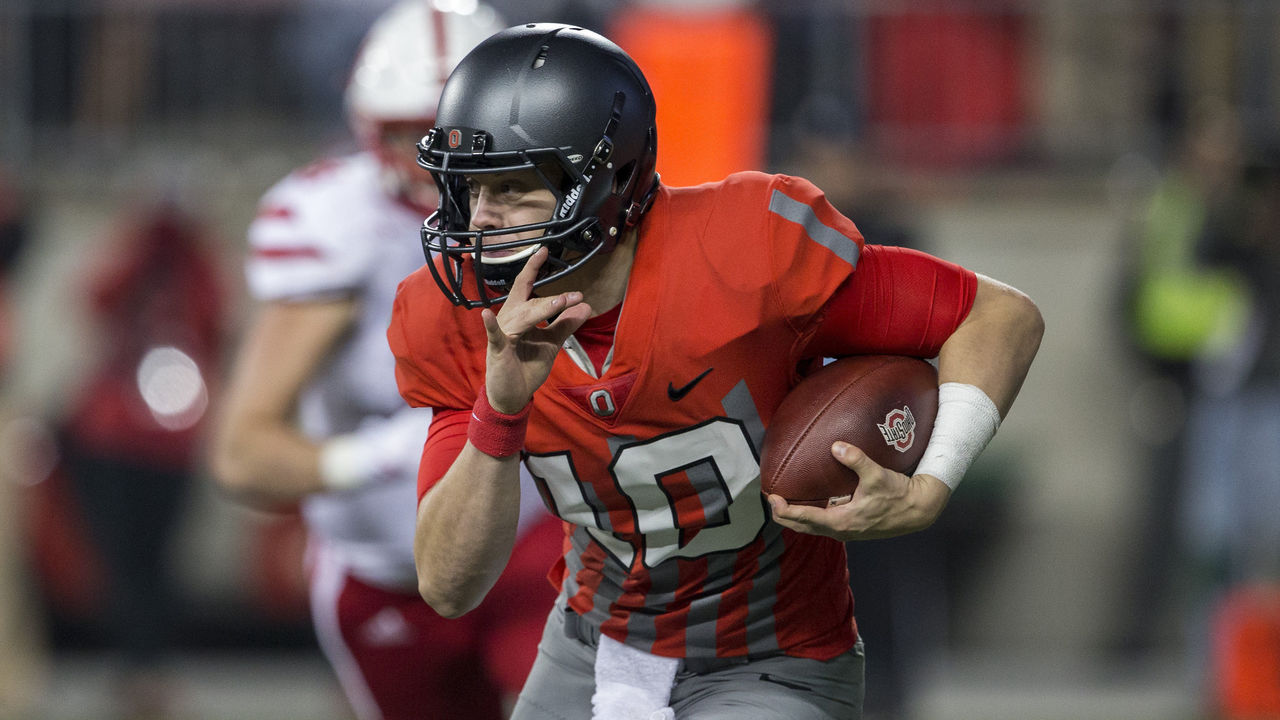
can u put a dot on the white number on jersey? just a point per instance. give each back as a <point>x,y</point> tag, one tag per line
<point>693,492</point>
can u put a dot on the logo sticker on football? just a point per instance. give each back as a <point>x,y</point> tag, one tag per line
<point>899,429</point>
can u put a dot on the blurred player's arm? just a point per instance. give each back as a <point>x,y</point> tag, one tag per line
<point>258,452</point>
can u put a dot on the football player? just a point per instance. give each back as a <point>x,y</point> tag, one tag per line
<point>631,341</point>
<point>313,413</point>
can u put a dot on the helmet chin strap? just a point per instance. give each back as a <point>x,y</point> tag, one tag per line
<point>500,271</point>
<point>508,266</point>
<point>520,256</point>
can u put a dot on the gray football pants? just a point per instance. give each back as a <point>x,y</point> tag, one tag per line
<point>562,681</point>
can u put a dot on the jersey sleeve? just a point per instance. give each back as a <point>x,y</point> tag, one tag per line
<point>444,442</point>
<point>305,242</point>
<point>439,353</point>
<point>438,348</point>
<point>899,301</point>
<point>813,248</point>
<point>418,387</point>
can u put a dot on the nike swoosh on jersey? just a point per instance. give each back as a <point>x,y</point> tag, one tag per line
<point>677,393</point>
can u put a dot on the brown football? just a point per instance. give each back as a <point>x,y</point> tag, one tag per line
<point>883,404</point>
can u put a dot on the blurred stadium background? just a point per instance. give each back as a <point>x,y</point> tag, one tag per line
<point>1017,137</point>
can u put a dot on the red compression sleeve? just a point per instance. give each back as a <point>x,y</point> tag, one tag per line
<point>899,301</point>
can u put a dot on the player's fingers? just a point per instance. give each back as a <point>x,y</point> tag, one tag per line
<point>852,457</point>
<point>800,518</point>
<point>539,310</point>
<point>492,328</point>
<point>574,314</point>
<point>519,318</point>
<point>522,287</point>
<point>786,514</point>
<point>871,475</point>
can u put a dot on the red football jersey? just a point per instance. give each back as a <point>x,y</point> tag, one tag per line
<point>655,463</point>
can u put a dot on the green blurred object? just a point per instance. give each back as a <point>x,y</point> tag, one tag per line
<point>1181,309</point>
<point>1182,314</point>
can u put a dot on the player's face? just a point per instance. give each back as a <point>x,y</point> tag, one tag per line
<point>396,150</point>
<point>509,199</point>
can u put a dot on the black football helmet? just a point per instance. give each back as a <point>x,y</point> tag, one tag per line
<point>564,102</point>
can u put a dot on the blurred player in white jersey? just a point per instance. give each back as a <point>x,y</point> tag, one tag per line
<point>313,413</point>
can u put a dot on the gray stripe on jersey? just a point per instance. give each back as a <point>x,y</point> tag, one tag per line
<point>617,441</point>
<point>573,560</point>
<point>580,540</point>
<point>762,637</point>
<point>596,504</point>
<point>827,237</point>
<point>760,634</point>
<point>704,612</point>
<point>738,405</point>
<point>589,492</point>
<point>709,485</point>
<point>643,625</point>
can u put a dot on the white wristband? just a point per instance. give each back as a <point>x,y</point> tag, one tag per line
<point>344,463</point>
<point>967,420</point>
<point>384,448</point>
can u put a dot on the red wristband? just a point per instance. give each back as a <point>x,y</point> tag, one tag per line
<point>494,433</point>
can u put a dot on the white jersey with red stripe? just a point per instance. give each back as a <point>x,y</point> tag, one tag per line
<point>329,230</point>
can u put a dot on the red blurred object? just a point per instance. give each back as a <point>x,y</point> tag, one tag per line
<point>709,71</point>
<point>947,87</point>
<point>68,565</point>
<point>159,286</point>
<point>279,581</point>
<point>1246,654</point>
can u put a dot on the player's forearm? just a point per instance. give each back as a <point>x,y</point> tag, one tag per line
<point>980,368</point>
<point>993,348</point>
<point>466,530</point>
<point>260,462</point>
<point>258,452</point>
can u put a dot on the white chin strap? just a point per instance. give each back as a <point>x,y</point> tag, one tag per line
<point>519,256</point>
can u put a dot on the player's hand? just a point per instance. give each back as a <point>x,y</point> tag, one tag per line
<point>521,348</point>
<point>885,503</point>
